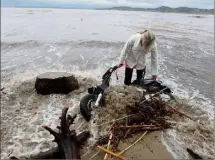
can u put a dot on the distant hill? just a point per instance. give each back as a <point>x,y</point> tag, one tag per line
<point>163,9</point>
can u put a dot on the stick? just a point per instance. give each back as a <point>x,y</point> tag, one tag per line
<point>84,154</point>
<point>127,132</point>
<point>64,124</point>
<point>108,146</point>
<point>153,95</point>
<point>137,126</point>
<point>111,153</point>
<point>133,143</point>
<point>146,128</point>
<point>55,134</point>
<point>168,105</point>
<point>96,154</point>
<point>115,120</point>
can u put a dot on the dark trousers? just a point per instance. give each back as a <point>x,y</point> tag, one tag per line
<point>129,72</point>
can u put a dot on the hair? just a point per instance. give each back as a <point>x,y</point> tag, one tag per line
<point>148,37</point>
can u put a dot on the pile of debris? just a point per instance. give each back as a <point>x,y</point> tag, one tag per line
<point>150,114</point>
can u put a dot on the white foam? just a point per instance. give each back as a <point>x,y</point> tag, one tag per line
<point>48,60</point>
<point>52,48</point>
<point>59,54</point>
<point>173,146</point>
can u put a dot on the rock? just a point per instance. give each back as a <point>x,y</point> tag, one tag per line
<point>198,16</point>
<point>55,82</point>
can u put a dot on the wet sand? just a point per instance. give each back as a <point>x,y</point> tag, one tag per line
<point>149,147</point>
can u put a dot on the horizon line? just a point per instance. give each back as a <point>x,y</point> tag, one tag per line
<point>84,7</point>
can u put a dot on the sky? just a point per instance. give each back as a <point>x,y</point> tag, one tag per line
<point>205,4</point>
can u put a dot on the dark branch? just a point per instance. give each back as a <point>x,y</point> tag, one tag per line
<point>56,135</point>
<point>82,137</point>
<point>64,124</point>
<point>70,119</point>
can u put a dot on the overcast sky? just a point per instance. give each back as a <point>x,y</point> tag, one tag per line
<point>209,4</point>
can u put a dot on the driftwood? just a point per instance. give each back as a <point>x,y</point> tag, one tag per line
<point>69,144</point>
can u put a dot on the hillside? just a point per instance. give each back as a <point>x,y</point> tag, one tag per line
<point>163,9</point>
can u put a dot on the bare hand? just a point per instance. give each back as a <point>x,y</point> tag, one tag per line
<point>120,65</point>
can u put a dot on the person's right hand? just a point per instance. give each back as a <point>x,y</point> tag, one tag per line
<point>120,65</point>
<point>154,77</point>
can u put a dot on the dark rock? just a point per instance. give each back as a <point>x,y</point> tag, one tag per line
<point>55,82</point>
<point>197,16</point>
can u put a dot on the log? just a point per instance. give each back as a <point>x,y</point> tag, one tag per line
<point>55,82</point>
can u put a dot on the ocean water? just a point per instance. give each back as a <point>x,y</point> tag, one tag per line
<point>87,43</point>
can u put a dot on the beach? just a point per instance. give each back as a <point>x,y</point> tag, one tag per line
<point>86,43</point>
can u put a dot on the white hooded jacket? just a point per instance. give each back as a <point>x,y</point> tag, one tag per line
<point>135,55</point>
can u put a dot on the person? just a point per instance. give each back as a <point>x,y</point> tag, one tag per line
<point>133,55</point>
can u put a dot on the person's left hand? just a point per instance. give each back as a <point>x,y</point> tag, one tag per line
<point>154,77</point>
<point>120,65</point>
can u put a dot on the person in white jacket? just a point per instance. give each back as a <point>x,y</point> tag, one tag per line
<point>133,55</point>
